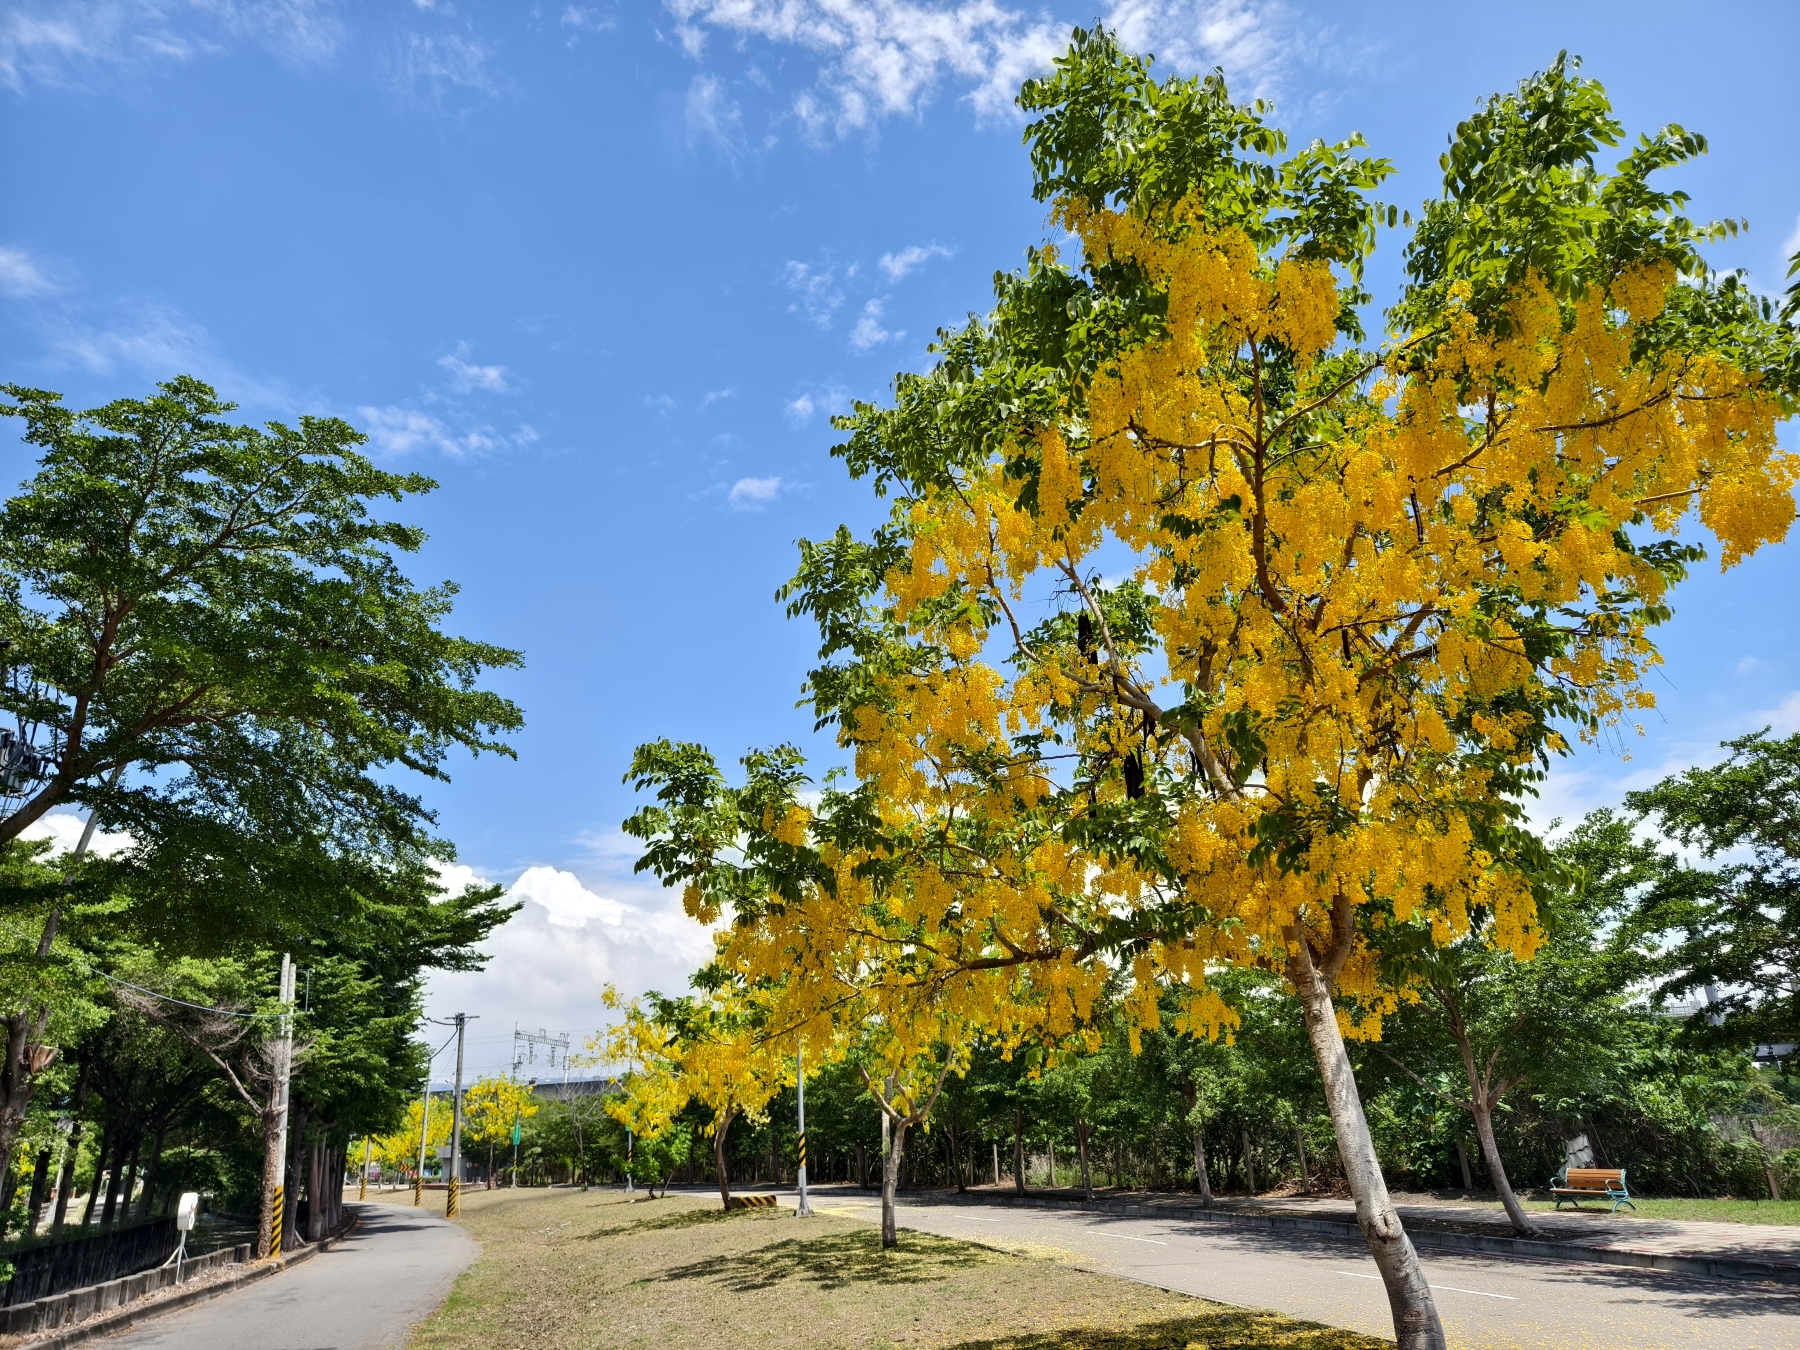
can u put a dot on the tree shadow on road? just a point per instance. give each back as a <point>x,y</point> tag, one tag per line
<point>835,1261</point>
<point>1223,1329</point>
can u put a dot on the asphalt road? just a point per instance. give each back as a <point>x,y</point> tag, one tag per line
<point>366,1293</point>
<point>1484,1302</point>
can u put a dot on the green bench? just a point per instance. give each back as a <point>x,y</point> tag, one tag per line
<point>1575,1184</point>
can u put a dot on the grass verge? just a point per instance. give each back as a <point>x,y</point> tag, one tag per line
<point>562,1270</point>
<point>1723,1211</point>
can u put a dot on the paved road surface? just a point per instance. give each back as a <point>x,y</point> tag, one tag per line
<point>366,1293</point>
<point>1485,1302</point>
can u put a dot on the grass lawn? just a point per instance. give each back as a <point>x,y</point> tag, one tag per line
<point>1727,1211</point>
<point>562,1269</point>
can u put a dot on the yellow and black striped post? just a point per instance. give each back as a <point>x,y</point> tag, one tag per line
<point>454,1194</point>
<point>803,1150</point>
<point>418,1191</point>
<point>275,1221</point>
<point>802,1210</point>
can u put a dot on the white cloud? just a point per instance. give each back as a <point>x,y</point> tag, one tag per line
<point>752,494</point>
<point>549,962</point>
<point>439,63</point>
<point>580,19</point>
<point>897,265</point>
<point>63,830</point>
<point>800,410</point>
<point>20,276</point>
<point>467,377</point>
<point>400,431</point>
<point>58,42</point>
<point>882,58</point>
<point>816,290</point>
<point>712,117</point>
<point>1783,718</point>
<point>829,399</point>
<point>869,332</point>
<point>716,396</point>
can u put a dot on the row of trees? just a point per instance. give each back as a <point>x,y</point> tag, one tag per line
<point>1210,649</point>
<point>213,654</point>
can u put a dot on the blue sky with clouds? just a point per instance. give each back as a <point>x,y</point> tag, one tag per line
<point>606,269</point>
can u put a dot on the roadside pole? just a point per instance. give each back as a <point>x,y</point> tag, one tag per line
<point>362,1189</point>
<point>424,1135</point>
<point>285,1068</point>
<point>454,1194</point>
<point>805,1210</point>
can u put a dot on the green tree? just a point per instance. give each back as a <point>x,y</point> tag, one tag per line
<point>212,635</point>
<point>1732,931</point>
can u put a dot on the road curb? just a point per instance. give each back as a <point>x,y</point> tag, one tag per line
<point>129,1315</point>
<point>1425,1235</point>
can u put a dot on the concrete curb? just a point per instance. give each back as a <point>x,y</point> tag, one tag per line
<point>128,1315</point>
<point>1424,1234</point>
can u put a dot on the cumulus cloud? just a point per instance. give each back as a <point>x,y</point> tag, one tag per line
<point>1783,718</point>
<point>20,275</point>
<point>548,963</point>
<point>897,265</point>
<point>869,332</point>
<point>752,494</point>
<point>882,58</point>
<point>466,376</point>
<point>63,830</point>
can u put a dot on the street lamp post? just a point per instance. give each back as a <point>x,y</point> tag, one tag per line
<point>804,1210</point>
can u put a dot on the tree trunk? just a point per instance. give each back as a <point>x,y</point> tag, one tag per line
<point>65,1183</point>
<point>316,1208</point>
<point>721,1128</point>
<point>1462,1158</point>
<point>148,1200</point>
<point>890,1179</point>
<point>1484,1130</point>
<point>1305,1172</point>
<point>40,1191</point>
<point>1202,1179</point>
<point>1082,1131</point>
<point>292,1179</point>
<point>862,1166</point>
<point>1249,1162</point>
<point>122,1149</point>
<point>100,1160</point>
<point>1019,1150</point>
<point>490,1171</point>
<point>1416,1323</point>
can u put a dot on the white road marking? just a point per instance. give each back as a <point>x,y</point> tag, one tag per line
<point>979,1219</point>
<point>1448,1288</point>
<point>1126,1237</point>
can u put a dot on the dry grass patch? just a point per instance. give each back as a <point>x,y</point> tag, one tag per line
<point>566,1271</point>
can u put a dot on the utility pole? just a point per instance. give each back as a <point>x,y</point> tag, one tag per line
<point>284,1068</point>
<point>454,1194</point>
<point>805,1210</point>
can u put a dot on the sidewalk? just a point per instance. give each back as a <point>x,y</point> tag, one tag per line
<point>1765,1252</point>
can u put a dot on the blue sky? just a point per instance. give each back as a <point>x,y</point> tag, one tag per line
<point>605,270</point>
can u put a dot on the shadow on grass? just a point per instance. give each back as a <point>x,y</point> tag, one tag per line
<point>1227,1329</point>
<point>835,1261</point>
<point>639,1222</point>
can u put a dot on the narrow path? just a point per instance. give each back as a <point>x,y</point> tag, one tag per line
<point>1508,1303</point>
<point>366,1293</point>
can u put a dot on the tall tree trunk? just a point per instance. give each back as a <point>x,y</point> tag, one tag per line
<point>1490,1150</point>
<point>1305,1171</point>
<point>1202,1178</point>
<point>721,1128</point>
<point>66,1181</point>
<point>1019,1150</point>
<point>147,1201</point>
<point>100,1160</point>
<point>1416,1323</point>
<point>892,1152</point>
<point>490,1168</point>
<point>1249,1162</point>
<point>292,1180</point>
<point>1082,1131</point>
<point>1462,1158</point>
<point>316,1205</point>
<point>40,1191</point>
<point>122,1149</point>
